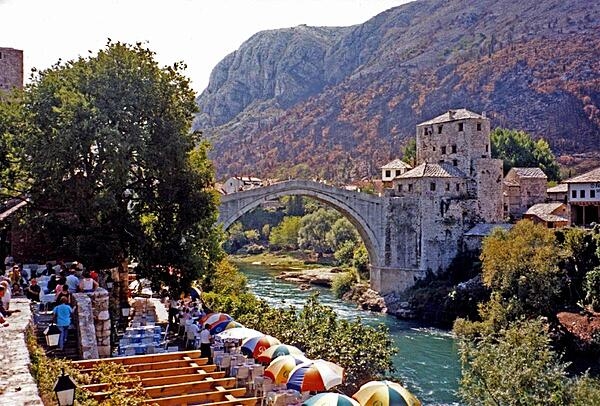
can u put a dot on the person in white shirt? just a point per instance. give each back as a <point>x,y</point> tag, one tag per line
<point>205,340</point>
<point>192,332</point>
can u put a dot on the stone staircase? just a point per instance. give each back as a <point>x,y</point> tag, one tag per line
<point>42,319</point>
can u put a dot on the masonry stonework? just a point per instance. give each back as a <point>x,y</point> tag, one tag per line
<point>418,226</point>
<point>11,69</point>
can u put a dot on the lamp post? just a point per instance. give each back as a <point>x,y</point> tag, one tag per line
<point>65,390</point>
<point>125,310</point>
<point>52,335</point>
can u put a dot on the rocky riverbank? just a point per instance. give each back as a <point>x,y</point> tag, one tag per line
<point>307,277</point>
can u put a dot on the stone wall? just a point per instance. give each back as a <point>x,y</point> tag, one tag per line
<point>84,321</point>
<point>17,386</point>
<point>11,68</point>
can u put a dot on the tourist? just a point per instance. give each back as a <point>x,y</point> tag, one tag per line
<point>94,275</point>
<point>205,340</point>
<point>62,318</point>
<point>173,312</point>
<point>32,292</point>
<point>192,332</point>
<point>64,293</point>
<point>9,261</point>
<point>87,284</point>
<point>72,279</point>
<point>5,283</point>
<point>48,271</point>
<point>52,283</point>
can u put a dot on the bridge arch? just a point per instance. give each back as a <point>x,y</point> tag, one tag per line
<point>361,209</point>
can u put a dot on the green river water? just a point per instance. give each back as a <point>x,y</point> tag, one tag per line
<point>427,362</point>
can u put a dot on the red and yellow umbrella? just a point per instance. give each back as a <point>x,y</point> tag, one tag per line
<point>279,369</point>
<point>385,393</point>
<point>254,346</point>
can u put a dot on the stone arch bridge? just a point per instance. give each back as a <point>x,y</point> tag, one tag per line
<point>371,215</point>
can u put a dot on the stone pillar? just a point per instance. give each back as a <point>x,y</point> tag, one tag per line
<point>84,319</point>
<point>102,322</point>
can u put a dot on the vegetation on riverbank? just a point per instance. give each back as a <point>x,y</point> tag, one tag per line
<point>516,351</point>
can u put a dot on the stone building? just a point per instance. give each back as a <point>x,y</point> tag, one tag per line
<point>455,185</point>
<point>393,169</point>
<point>557,193</point>
<point>552,215</point>
<point>11,68</point>
<point>523,187</point>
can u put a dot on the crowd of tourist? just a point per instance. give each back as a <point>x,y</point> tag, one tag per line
<point>56,278</point>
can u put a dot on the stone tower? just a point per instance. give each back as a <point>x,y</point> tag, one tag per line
<point>11,68</point>
<point>461,138</point>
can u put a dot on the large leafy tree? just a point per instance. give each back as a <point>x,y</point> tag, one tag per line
<point>114,167</point>
<point>518,149</point>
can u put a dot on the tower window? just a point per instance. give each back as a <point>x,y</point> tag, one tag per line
<point>487,148</point>
<point>461,126</point>
<point>582,194</point>
<point>455,162</point>
<point>432,186</point>
<point>458,187</point>
<point>478,126</point>
<point>448,186</point>
<point>443,150</point>
<point>454,149</point>
<point>410,187</point>
<point>400,188</point>
<point>440,129</point>
<point>574,194</point>
<point>433,149</point>
<point>388,173</point>
<point>398,172</point>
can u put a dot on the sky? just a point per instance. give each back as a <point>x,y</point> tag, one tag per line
<point>197,32</point>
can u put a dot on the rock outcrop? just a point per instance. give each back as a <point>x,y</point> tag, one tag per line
<point>340,102</point>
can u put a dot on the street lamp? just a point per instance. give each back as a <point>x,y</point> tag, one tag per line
<point>65,390</point>
<point>52,335</point>
<point>125,309</point>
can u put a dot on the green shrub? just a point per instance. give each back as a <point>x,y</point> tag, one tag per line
<point>343,282</point>
<point>592,288</point>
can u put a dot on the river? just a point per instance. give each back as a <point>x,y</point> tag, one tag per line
<point>427,362</point>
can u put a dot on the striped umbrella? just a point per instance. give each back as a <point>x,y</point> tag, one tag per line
<point>253,347</point>
<point>214,318</point>
<point>385,393</point>
<point>275,351</point>
<point>318,375</point>
<point>330,399</point>
<point>224,325</point>
<point>279,369</point>
<point>239,333</point>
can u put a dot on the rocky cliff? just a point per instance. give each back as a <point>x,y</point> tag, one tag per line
<point>340,102</point>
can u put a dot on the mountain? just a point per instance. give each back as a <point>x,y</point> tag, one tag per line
<point>339,102</point>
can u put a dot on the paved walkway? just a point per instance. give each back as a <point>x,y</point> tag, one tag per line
<point>17,386</point>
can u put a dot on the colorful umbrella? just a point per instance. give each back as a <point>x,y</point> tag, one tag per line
<point>318,375</point>
<point>253,347</point>
<point>239,333</point>
<point>275,351</point>
<point>215,318</point>
<point>279,369</point>
<point>195,293</point>
<point>384,393</point>
<point>330,399</point>
<point>224,325</point>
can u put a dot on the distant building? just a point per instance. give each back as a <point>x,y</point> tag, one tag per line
<point>240,183</point>
<point>473,238</point>
<point>583,198</point>
<point>558,193</point>
<point>552,215</point>
<point>394,169</point>
<point>522,188</point>
<point>11,69</point>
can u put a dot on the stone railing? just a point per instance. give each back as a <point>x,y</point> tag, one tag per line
<point>17,386</point>
<point>93,324</point>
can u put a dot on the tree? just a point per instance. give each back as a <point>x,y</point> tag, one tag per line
<point>13,178</point>
<point>286,233</point>
<point>514,367</point>
<point>409,152</point>
<point>115,170</point>
<point>520,266</point>
<point>518,149</point>
<point>342,231</point>
<point>314,228</point>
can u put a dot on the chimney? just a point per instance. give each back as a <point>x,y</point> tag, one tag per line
<point>451,114</point>
<point>483,114</point>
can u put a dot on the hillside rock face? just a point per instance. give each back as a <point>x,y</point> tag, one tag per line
<point>340,102</point>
